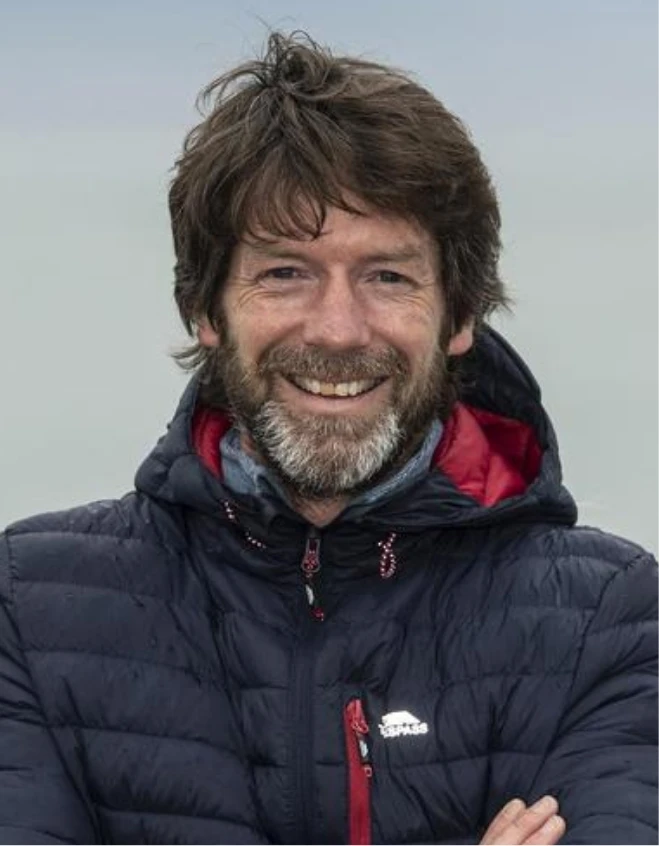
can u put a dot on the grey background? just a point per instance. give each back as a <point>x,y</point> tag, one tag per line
<point>561,98</point>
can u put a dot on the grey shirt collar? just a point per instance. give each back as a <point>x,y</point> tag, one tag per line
<point>244,475</point>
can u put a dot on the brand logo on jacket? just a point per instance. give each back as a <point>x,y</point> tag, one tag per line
<point>399,723</point>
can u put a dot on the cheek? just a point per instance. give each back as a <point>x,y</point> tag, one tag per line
<point>247,338</point>
<point>258,325</point>
<point>416,336</point>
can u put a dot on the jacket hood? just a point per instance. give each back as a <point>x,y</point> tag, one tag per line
<point>497,460</point>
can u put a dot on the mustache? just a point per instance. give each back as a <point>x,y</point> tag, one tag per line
<point>346,366</point>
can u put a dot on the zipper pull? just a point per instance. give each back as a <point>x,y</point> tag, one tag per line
<point>310,565</point>
<point>311,558</point>
<point>359,727</point>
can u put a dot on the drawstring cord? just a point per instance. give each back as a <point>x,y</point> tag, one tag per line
<point>231,514</point>
<point>388,561</point>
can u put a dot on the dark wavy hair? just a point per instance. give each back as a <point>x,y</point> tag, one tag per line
<point>299,130</point>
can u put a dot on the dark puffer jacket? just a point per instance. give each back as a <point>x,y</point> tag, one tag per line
<point>164,679</point>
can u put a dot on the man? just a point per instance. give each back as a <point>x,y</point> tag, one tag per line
<point>347,601</point>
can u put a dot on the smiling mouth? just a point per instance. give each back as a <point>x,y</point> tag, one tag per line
<point>335,389</point>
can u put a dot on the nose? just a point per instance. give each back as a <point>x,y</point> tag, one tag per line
<point>337,318</point>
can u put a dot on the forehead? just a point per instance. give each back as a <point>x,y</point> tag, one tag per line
<point>346,234</point>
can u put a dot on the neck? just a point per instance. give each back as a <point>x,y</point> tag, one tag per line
<point>320,512</point>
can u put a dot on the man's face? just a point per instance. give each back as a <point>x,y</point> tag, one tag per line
<point>330,349</point>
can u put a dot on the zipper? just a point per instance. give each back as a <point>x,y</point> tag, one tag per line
<point>302,739</point>
<point>311,568</point>
<point>360,773</point>
<point>302,734</point>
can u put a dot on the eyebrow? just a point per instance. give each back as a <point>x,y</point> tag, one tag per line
<point>266,250</point>
<point>405,254</point>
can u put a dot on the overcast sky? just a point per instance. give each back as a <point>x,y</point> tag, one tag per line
<point>560,96</point>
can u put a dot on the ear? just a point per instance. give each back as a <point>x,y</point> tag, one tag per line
<point>206,335</point>
<point>463,340</point>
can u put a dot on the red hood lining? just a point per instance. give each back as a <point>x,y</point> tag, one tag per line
<point>208,429</point>
<point>486,456</point>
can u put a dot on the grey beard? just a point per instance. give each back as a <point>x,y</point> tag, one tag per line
<point>322,457</point>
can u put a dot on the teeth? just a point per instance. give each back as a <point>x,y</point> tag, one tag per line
<point>335,389</point>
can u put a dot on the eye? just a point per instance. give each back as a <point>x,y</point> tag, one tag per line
<point>390,276</point>
<point>281,273</point>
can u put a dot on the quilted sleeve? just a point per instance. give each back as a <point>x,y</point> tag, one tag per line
<point>602,765</point>
<point>38,801</point>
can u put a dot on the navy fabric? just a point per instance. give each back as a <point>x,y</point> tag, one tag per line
<point>162,679</point>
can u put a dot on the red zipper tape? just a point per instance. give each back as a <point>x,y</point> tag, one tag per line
<point>360,772</point>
